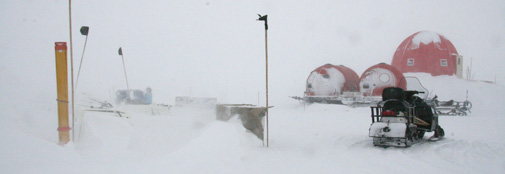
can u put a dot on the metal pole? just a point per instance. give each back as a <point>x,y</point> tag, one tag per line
<point>266,67</point>
<point>84,31</point>
<point>79,71</point>
<point>264,18</point>
<point>71,65</point>
<point>127,86</point>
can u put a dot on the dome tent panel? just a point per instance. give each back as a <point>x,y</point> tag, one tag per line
<point>351,79</point>
<point>428,52</point>
<point>378,77</point>
<point>331,80</point>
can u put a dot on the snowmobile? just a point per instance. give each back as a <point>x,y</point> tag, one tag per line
<point>402,118</point>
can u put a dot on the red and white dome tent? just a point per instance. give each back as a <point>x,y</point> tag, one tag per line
<point>378,77</point>
<point>424,52</point>
<point>331,80</point>
<point>327,83</point>
<point>341,85</point>
<point>428,52</point>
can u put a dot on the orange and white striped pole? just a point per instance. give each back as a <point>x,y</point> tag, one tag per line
<point>62,92</point>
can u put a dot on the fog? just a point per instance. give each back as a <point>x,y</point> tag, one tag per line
<point>217,48</point>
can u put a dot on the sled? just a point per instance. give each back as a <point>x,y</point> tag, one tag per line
<point>451,107</point>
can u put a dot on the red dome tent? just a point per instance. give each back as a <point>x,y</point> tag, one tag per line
<point>331,80</point>
<point>378,77</point>
<point>428,52</point>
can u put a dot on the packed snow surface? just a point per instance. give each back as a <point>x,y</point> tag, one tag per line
<point>302,139</point>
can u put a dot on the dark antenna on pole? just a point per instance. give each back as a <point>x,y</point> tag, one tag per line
<point>264,18</point>
<point>120,52</point>
<point>84,31</point>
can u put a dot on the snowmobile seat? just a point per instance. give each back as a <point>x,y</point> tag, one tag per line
<point>393,98</point>
<point>393,93</point>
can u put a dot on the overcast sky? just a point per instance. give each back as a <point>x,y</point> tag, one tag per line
<point>217,48</point>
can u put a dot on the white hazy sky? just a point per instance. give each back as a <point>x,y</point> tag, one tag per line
<point>216,48</point>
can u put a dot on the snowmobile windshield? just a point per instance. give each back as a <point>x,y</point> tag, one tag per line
<point>413,84</point>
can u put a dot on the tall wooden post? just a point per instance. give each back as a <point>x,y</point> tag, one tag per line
<point>265,18</point>
<point>62,90</point>
<point>71,66</point>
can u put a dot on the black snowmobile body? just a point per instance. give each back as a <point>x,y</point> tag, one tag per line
<point>402,118</point>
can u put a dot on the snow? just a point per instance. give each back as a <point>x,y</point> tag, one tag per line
<point>317,138</point>
<point>425,37</point>
<point>216,49</point>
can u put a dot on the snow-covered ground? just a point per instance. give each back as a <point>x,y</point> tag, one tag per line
<point>303,139</point>
<point>216,49</point>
